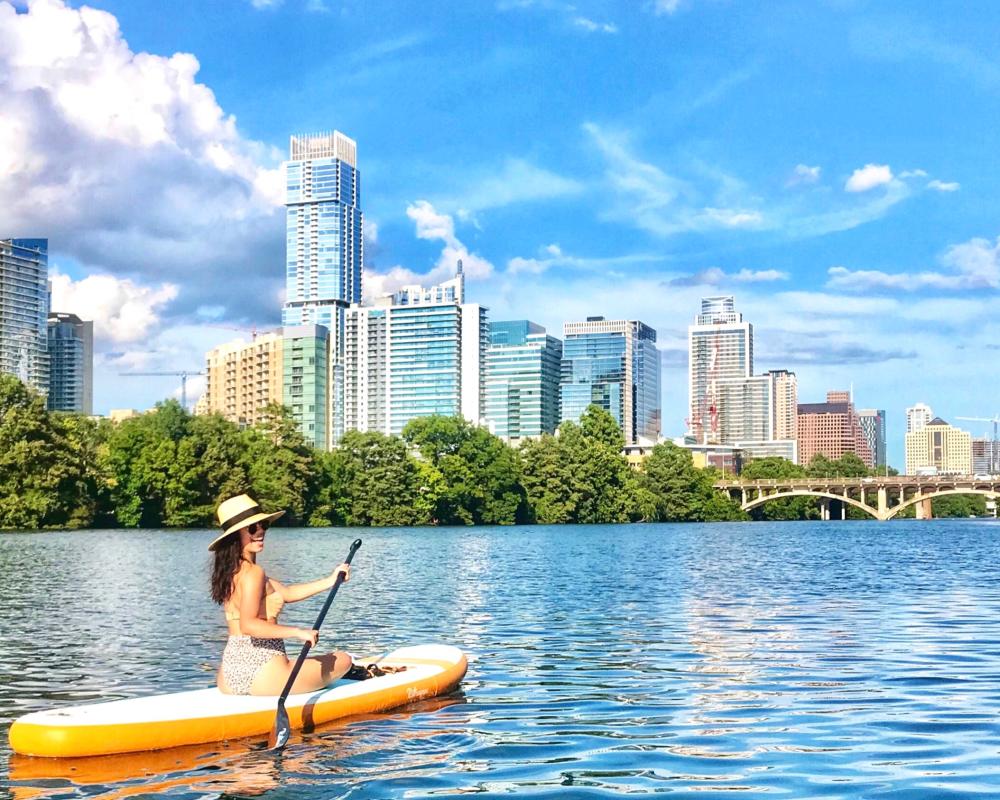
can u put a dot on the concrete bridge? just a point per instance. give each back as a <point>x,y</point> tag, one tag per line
<point>882,497</point>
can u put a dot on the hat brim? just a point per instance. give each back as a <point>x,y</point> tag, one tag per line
<point>261,517</point>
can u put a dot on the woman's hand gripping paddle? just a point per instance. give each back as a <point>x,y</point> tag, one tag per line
<point>279,733</point>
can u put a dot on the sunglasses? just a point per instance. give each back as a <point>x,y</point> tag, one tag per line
<point>257,527</point>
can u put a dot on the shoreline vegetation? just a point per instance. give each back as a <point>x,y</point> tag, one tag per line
<point>170,469</point>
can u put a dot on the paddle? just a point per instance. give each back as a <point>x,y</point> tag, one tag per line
<point>282,728</point>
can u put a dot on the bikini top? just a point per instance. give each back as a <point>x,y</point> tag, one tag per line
<point>273,603</point>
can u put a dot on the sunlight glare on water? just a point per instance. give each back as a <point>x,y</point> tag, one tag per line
<point>851,659</point>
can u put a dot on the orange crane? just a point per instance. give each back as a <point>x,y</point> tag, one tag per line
<point>183,374</point>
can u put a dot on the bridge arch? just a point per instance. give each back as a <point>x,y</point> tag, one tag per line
<point>759,501</point>
<point>919,498</point>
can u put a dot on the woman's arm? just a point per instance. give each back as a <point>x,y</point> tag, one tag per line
<point>251,594</point>
<point>300,591</point>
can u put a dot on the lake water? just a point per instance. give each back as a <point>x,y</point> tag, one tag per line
<point>841,659</point>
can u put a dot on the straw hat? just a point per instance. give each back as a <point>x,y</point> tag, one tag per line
<point>238,512</point>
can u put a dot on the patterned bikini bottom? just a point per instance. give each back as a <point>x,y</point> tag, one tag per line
<point>243,658</point>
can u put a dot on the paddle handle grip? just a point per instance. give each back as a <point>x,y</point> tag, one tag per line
<point>319,621</point>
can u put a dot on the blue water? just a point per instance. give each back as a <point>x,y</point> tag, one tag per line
<point>842,659</point>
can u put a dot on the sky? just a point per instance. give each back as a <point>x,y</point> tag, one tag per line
<point>831,164</point>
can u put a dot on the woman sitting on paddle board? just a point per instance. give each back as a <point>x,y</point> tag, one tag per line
<point>254,661</point>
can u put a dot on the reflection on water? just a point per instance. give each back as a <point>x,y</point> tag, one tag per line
<point>837,659</point>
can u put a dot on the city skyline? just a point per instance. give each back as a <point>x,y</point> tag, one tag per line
<point>863,253</point>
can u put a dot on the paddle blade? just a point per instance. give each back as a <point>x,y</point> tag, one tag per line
<point>278,737</point>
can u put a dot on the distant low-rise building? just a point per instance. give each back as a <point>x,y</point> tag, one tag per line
<point>242,378</point>
<point>938,448</point>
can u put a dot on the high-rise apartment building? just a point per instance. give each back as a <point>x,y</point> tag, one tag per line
<point>872,422</point>
<point>523,367</point>
<point>71,363</point>
<point>242,378</point>
<point>786,404</point>
<point>720,347</point>
<point>305,363</point>
<point>613,364</point>
<point>24,311</point>
<point>939,448</point>
<point>324,246</point>
<point>746,408</point>
<point>917,416</point>
<point>418,352</point>
<point>831,429</point>
<point>985,456</point>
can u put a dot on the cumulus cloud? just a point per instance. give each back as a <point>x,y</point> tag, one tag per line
<point>868,177</point>
<point>434,226</point>
<point>129,165</point>
<point>123,312</point>
<point>971,265</point>
<point>943,186</point>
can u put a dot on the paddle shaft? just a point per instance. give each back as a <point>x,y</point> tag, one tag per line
<point>319,621</point>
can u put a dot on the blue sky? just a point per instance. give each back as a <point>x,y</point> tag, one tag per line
<point>831,164</point>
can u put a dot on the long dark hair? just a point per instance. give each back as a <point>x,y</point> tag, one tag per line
<point>225,566</point>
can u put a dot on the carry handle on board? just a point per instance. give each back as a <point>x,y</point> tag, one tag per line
<point>282,728</point>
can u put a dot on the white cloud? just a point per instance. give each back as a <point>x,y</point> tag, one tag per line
<point>913,173</point>
<point>128,164</point>
<point>517,181</point>
<point>666,6</point>
<point>760,276</point>
<point>594,27</point>
<point>552,256</point>
<point>971,265</point>
<point>868,177</point>
<point>803,174</point>
<point>260,4</point>
<point>123,312</point>
<point>943,186</point>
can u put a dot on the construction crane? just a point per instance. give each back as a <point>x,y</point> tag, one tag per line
<point>183,374</point>
<point>252,330</point>
<point>994,456</point>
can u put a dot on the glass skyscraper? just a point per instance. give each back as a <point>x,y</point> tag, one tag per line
<point>523,367</point>
<point>416,353</point>
<point>872,422</point>
<point>24,311</point>
<point>71,363</point>
<point>324,247</point>
<point>615,365</point>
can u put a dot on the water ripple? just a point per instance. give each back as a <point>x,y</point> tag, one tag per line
<point>847,660</point>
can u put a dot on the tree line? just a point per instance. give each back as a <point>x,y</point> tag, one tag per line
<point>168,468</point>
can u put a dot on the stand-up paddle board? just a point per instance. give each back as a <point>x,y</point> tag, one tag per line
<point>208,715</point>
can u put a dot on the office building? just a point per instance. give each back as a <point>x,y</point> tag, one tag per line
<point>71,363</point>
<point>917,416</point>
<point>720,347</point>
<point>872,422</point>
<point>831,429</point>
<point>523,367</point>
<point>242,378</point>
<point>938,448</point>
<point>768,448</point>
<point>745,408</point>
<point>306,386</point>
<point>416,353</point>
<point>24,311</point>
<point>613,364</point>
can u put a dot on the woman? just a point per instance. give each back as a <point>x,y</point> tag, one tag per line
<point>254,661</point>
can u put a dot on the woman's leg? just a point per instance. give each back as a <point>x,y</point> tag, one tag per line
<point>316,672</point>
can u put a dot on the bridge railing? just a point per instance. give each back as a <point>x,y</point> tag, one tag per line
<point>874,482</point>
